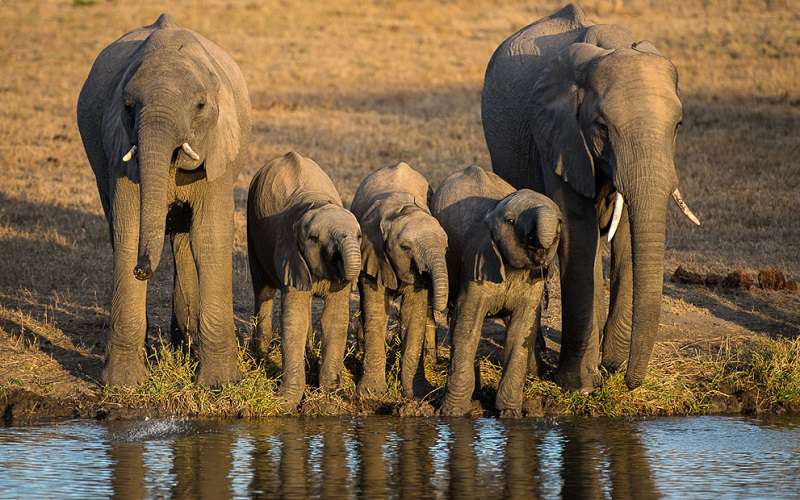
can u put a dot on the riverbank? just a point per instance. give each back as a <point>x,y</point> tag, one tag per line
<point>753,376</point>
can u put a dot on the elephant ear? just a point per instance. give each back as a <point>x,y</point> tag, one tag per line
<point>224,138</point>
<point>373,257</point>
<point>116,142</point>
<point>554,122</point>
<point>290,266</point>
<point>483,261</point>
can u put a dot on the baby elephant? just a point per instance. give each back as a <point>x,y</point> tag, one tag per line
<point>302,241</point>
<point>403,253</point>
<point>501,243</point>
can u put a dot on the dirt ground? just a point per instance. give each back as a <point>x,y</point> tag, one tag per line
<point>360,85</point>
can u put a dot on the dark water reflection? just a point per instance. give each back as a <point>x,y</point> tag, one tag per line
<point>381,457</point>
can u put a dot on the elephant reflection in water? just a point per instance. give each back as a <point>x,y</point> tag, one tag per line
<point>417,438</point>
<point>128,469</point>
<point>588,445</point>
<point>521,466</point>
<point>371,435</point>
<point>285,473</point>
<point>202,465</point>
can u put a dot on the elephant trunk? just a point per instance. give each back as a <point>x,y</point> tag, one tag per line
<point>351,257</point>
<point>647,199</point>
<point>155,147</point>
<point>432,260</point>
<point>546,223</point>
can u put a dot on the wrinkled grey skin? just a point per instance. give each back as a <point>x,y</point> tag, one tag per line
<point>301,241</point>
<point>579,112</point>
<point>403,254</point>
<point>158,87</point>
<point>501,242</point>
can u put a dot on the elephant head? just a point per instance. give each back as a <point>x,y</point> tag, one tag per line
<point>523,233</point>
<point>609,119</point>
<point>327,245</point>
<point>172,111</point>
<point>406,246</point>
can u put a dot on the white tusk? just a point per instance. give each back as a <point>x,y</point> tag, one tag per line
<point>189,151</point>
<point>618,202</point>
<point>676,195</point>
<point>129,155</point>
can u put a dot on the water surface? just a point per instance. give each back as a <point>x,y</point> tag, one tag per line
<point>697,457</point>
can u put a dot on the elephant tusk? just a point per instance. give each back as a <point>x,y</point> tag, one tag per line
<point>615,216</point>
<point>676,195</point>
<point>129,155</point>
<point>189,151</point>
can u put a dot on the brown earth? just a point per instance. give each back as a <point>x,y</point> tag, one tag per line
<point>359,85</point>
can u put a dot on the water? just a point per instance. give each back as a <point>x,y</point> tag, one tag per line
<point>700,457</point>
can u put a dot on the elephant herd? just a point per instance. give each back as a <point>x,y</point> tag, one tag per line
<point>580,120</point>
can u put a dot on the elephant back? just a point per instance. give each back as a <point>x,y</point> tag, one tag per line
<point>287,180</point>
<point>400,178</point>
<point>464,198</point>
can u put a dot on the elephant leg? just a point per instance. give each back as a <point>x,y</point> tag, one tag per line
<point>470,313</point>
<point>125,348</point>
<point>537,349</point>
<point>185,295</point>
<point>374,316</point>
<point>264,296</point>
<point>212,245</point>
<point>430,347</point>
<point>295,320</point>
<point>617,334</point>
<point>414,319</point>
<point>335,320</point>
<point>580,243</point>
<point>520,334</point>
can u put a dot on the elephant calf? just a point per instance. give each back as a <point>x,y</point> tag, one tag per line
<point>501,242</point>
<point>302,241</point>
<point>403,254</point>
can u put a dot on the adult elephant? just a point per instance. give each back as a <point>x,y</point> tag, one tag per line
<point>589,116</point>
<point>164,116</point>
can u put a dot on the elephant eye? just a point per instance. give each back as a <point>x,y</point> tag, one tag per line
<point>200,105</point>
<point>603,129</point>
<point>510,220</point>
<point>313,237</point>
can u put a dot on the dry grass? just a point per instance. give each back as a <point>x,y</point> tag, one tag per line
<point>358,85</point>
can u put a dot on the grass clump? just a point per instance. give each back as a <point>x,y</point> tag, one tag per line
<point>171,389</point>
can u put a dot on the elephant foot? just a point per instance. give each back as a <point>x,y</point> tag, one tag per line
<point>581,383</point>
<point>612,363</point>
<point>371,387</point>
<point>218,371</point>
<point>290,399</point>
<point>455,409</point>
<point>125,370</point>
<point>511,413</point>
<point>633,381</point>
<point>330,382</point>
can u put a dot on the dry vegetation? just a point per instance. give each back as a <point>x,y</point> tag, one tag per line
<point>358,85</point>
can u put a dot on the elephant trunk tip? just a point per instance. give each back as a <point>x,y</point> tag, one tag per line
<point>143,269</point>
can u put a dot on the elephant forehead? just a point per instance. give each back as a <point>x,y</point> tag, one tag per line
<point>523,200</point>
<point>168,73</point>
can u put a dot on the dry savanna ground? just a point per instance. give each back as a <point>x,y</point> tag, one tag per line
<point>359,85</point>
